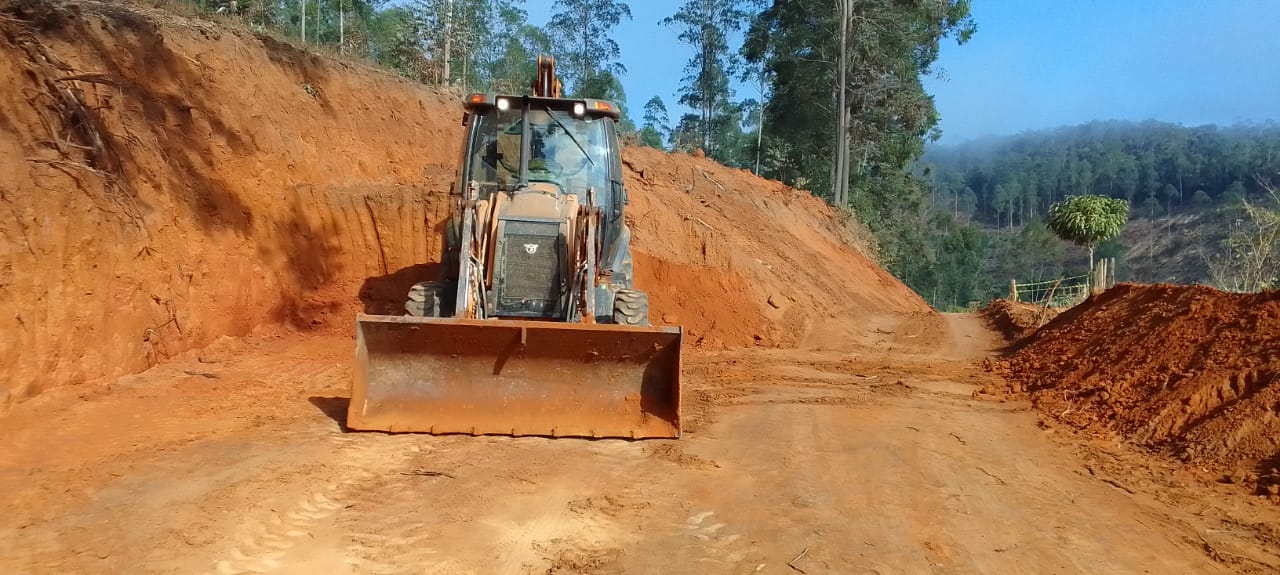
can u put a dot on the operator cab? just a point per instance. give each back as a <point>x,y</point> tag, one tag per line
<point>551,144</point>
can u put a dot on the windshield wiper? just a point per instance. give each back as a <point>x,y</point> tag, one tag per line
<point>570,134</point>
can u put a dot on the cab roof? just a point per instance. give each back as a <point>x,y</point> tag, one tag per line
<point>591,106</point>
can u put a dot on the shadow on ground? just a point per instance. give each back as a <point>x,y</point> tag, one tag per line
<point>334,408</point>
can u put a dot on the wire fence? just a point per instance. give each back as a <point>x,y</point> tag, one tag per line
<point>1061,292</point>
<point>1067,291</point>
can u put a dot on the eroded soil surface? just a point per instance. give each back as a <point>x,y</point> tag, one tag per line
<point>868,457</point>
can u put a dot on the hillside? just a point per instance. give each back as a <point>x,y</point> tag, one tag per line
<point>1174,249</point>
<point>169,181</point>
<point>1182,248</point>
<point>1184,186</point>
<point>1158,167</point>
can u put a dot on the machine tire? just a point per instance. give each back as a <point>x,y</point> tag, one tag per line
<point>424,299</point>
<point>631,307</point>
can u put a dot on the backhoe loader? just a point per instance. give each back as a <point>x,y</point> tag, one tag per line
<point>534,326</point>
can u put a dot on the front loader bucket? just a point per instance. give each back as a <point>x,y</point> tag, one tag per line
<point>515,377</point>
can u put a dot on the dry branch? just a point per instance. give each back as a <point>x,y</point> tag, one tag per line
<point>792,563</point>
<point>428,473</point>
<point>91,78</point>
<point>81,139</point>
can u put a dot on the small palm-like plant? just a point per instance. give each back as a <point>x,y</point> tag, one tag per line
<point>1088,220</point>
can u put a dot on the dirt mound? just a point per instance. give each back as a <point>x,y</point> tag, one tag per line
<point>1186,369</point>
<point>167,181</point>
<point>1016,320</point>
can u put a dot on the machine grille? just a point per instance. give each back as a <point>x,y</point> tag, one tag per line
<point>532,268</point>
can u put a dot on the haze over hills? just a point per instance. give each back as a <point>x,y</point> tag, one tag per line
<point>1185,186</point>
<point>1157,166</point>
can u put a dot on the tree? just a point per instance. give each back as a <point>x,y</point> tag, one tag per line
<point>889,47</point>
<point>506,49</point>
<point>655,123</point>
<point>463,37</point>
<point>436,21</point>
<point>840,189</point>
<point>604,85</point>
<point>485,45</point>
<point>1171,194</point>
<point>1088,220</point>
<point>704,26</point>
<point>1151,206</point>
<point>583,32</point>
<point>513,59</point>
<point>1234,195</point>
<point>754,71</point>
<point>1249,259</point>
<point>394,41</point>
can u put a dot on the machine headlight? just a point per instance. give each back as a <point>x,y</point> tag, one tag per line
<point>504,104</point>
<point>579,109</point>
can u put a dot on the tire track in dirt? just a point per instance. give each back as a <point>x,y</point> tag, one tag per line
<point>721,542</point>
<point>297,532</point>
<point>386,527</point>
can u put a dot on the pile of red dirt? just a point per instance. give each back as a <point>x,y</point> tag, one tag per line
<point>167,181</point>
<point>1016,320</point>
<point>1188,370</point>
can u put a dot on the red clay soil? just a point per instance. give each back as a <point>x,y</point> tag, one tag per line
<point>1015,320</point>
<point>166,181</point>
<point>739,260</point>
<point>1185,369</point>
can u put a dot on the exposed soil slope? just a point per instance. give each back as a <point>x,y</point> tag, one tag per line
<point>167,181</point>
<point>737,259</point>
<point>1191,370</point>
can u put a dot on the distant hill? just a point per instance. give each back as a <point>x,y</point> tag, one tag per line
<point>1184,185</point>
<point>1160,168</point>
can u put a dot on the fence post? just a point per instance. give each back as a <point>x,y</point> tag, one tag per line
<point>1013,290</point>
<point>1111,274</point>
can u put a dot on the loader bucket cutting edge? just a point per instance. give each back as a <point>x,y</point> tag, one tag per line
<point>515,377</point>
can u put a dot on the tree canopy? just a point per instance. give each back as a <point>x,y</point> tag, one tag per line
<point>583,30</point>
<point>1088,220</point>
<point>704,26</point>
<point>888,115</point>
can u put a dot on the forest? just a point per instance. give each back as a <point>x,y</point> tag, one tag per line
<point>1158,167</point>
<point>989,196</point>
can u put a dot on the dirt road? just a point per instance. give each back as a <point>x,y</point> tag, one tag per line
<point>870,456</point>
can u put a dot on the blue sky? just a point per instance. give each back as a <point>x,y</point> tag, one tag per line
<point>654,59</point>
<point>1043,63</point>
